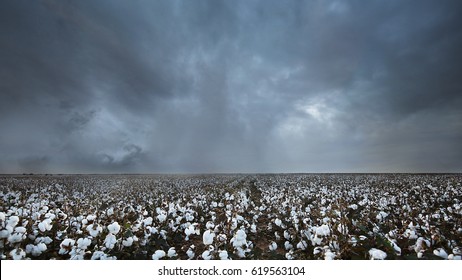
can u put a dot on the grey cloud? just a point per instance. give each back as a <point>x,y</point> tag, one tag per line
<point>230,86</point>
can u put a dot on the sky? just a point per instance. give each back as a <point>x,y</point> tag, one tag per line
<point>230,86</point>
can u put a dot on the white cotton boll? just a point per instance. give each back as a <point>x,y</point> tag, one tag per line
<point>277,236</point>
<point>16,237</point>
<point>317,250</point>
<point>290,255</point>
<point>302,245</point>
<point>223,255</point>
<point>158,254</point>
<point>50,216</point>
<point>99,255</point>
<point>4,233</point>
<point>278,222</point>
<point>253,228</point>
<point>316,240</point>
<point>42,247</point>
<point>127,242</point>
<point>206,255</point>
<point>287,235</point>
<point>239,239</point>
<point>362,237</point>
<point>17,254</point>
<point>110,211</point>
<point>161,217</point>
<point>190,253</point>
<point>188,231</point>
<point>147,221</point>
<point>13,221</point>
<point>323,230</point>
<point>45,225</point>
<point>94,230</point>
<point>83,243</point>
<point>420,254</point>
<point>110,241</point>
<point>353,206</point>
<point>377,254</point>
<point>171,252</point>
<point>288,245</point>
<point>273,246</point>
<point>381,216</point>
<point>454,257</point>
<point>209,225</point>
<point>66,246</point>
<point>114,228</point>
<point>29,248</point>
<point>329,255</point>
<point>440,252</point>
<point>2,217</point>
<point>91,217</point>
<point>21,230</point>
<point>207,237</point>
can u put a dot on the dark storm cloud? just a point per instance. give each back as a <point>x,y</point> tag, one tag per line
<point>230,86</point>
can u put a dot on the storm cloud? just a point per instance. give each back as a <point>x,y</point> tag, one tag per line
<point>230,86</point>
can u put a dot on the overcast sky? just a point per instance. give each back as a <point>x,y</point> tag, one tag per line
<point>230,86</point>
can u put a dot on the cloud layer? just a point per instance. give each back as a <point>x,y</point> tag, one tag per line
<point>230,86</point>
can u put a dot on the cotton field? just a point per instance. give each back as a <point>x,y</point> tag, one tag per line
<point>223,217</point>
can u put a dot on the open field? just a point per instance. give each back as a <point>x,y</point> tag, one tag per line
<point>279,216</point>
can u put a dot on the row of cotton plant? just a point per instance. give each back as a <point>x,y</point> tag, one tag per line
<point>222,217</point>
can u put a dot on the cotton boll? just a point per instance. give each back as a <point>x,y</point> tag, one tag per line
<point>454,257</point>
<point>110,211</point>
<point>45,225</point>
<point>4,233</point>
<point>323,230</point>
<point>209,225</point>
<point>440,252</point>
<point>329,255</point>
<point>13,221</point>
<point>110,241</point>
<point>66,246</point>
<point>161,217</point>
<point>207,237</point>
<point>190,253</point>
<point>91,217</point>
<point>420,254</point>
<point>94,230</point>
<point>381,216</point>
<point>223,255</point>
<point>158,254</point>
<point>83,243</point>
<point>302,245</point>
<point>17,254</point>
<point>20,230</point>
<point>127,242</point>
<point>16,237</point>
<point>114,228</point>
<point>278,222</point>
<point>253,228</point>
<point>147,221</point>
<point>99,255</point>
<point>42,247</point>
<point>239,238</point>
<point>273,246</point>
<point>172,252</point>
<point>288,246</point>
<point>206,255</point>
<point>377,254</point>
